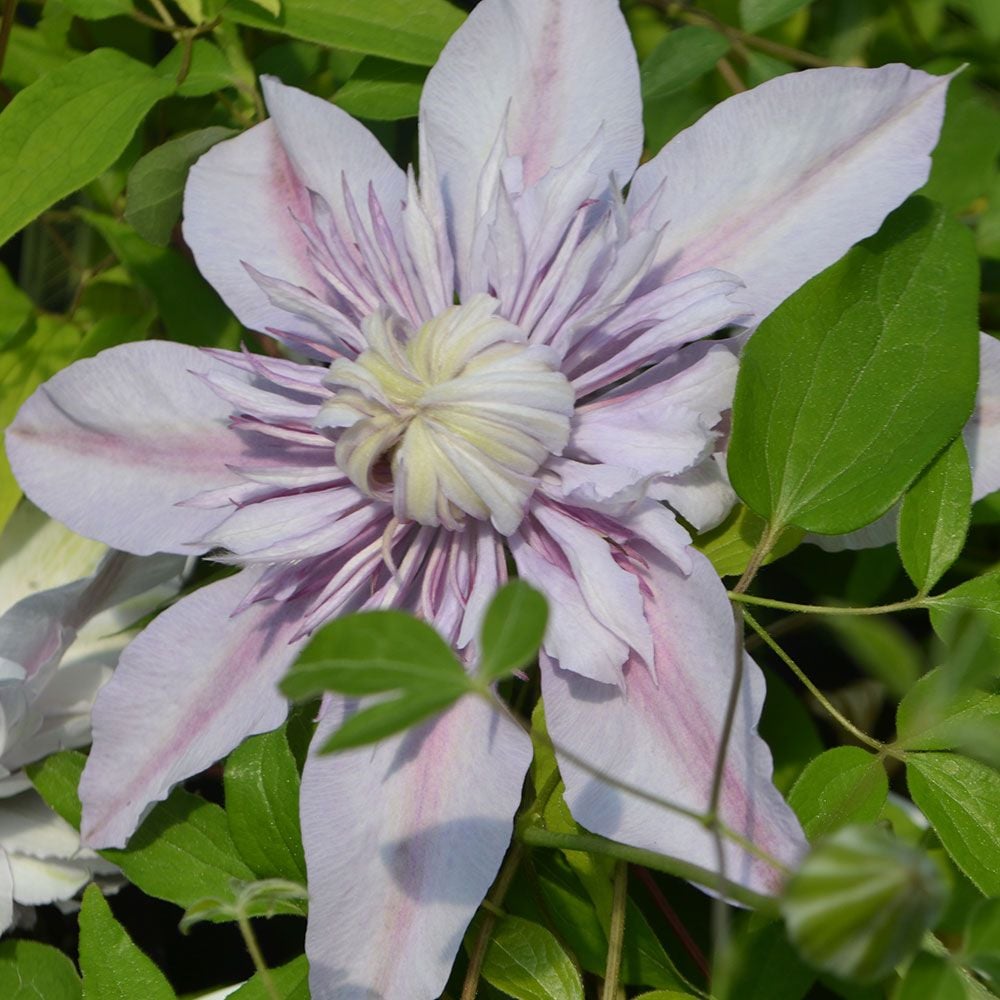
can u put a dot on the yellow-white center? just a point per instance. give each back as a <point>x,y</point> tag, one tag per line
<point>451,420</point>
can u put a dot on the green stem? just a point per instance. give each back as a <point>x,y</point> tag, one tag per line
<point>5,28</point>
<point>616,932</point>
<point>823,609</point>
<point>534,836</point>
<point>701,818</point>
<point>250,940</point>
<point>495,899</point>
<point>813,690</point>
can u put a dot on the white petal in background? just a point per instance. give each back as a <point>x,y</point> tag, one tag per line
<point>73,602</point>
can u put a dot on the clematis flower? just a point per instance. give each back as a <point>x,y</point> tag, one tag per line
<point>506,357</point>
<point>68,607</point>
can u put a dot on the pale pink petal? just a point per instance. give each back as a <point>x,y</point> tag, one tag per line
<point>194,684</point>
<point>402,841</point>
<point>112,444</point>
<point>248,199</point>
<point>532,80</point>
<point>660,735</point>
<point>776,184</point>
<point>702,495</point>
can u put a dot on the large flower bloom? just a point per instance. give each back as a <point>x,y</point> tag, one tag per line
<point>505,360</point>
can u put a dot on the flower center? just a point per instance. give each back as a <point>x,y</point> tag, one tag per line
<point>450,420</point>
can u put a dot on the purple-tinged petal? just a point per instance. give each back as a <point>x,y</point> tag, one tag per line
<point>777,183</point>
<point>194,684</point>
<point>248,200</point>
<point>702,495</point>
<point>402,842</point>
<point>673,723</point>
<point>535,81</point>
<point>111,445</point>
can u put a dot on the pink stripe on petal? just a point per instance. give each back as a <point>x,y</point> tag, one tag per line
<point>114,444</point>
<point>551,76</point>
<point>673,725</point>
<point>402,841</point>
<point>777,183</point>
<point>191,687</point>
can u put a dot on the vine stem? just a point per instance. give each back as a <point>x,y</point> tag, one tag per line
<point>496,897</point>
<point>250,940</point>
<point>720,913</point>
<point>823,609</point>
<point>704,819</point>
<point>813,690</point>
<point>616,932</point>
<point>534,836</point>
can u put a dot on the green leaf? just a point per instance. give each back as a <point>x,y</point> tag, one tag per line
<point>981,594</point>
<point>934,517</point>
<point>386,718</point>
<point>852,385</point>
<point>512,630</point>
<point>981,946</point>
<point>182,852</point>
<point>291,981</point>
<point>666,995</point>
<point>156,183</point>
<point>96,10</point>
<point>209,70</point>
<point>841,786</point>
<point>526,961</point>
<point>373,652</point>
<point>937,714</point>
<point>383,90</point>
<point>762,964</point>
<point>30,57</point>
<point>961,798</point>
<point>33,971</point>
<point>861,902</point>
<point>15,308</point>
<point>113,967</point>
<point>931,978</point>
<point>411,31</point>
<point>191,311</point>
<point>964,160</point>
<point>730,544</point>
<point>40,350</point>
<point>757,14</point>
<point>262,805</point>
<point>683,56</point>
<point>67,128</point>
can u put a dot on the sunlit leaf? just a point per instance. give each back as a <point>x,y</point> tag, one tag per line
<point>527,962</point>
<point>851,386</point>
<point>33,971</point>
<point>512,630</point>
<point>382,89</point>
<point>114,968</point>
<point>934,516</point>
<point>67,127</point>
<point>961,798</point>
